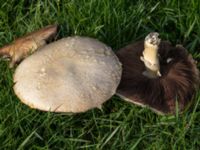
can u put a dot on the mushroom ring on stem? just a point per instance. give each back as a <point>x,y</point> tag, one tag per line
<point>73,74</point>
<point>158,75</point>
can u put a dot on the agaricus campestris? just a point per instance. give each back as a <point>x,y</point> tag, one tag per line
<point>27,44</point>
<point>158,75</point>
<point>73,74</point>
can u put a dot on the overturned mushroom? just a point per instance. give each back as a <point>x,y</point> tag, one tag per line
<point>73,74</point>
<point>27,44</point>
<point>158,75</point>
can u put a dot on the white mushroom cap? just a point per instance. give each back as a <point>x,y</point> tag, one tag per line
<point>73,74</point>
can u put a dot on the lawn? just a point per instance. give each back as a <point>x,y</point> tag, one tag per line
<point>119,125</point>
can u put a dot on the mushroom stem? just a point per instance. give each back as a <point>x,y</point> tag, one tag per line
<point>150,55</point>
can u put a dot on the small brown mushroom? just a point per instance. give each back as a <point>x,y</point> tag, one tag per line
<point>73,74</point>
<point>27,44</point>
<point>158,75</point>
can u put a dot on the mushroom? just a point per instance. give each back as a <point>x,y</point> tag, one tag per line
<point>158,75</point>
<point>73,74</point>
<point>27,44</point>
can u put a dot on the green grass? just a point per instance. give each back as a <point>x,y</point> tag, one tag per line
<point>119,125</point>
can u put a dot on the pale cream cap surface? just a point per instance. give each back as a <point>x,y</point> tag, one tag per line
<point>73,74</point>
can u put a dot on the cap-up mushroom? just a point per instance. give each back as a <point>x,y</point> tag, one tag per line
<point>27,44</point>
<point>158,75</point>
<point>73,74</point>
